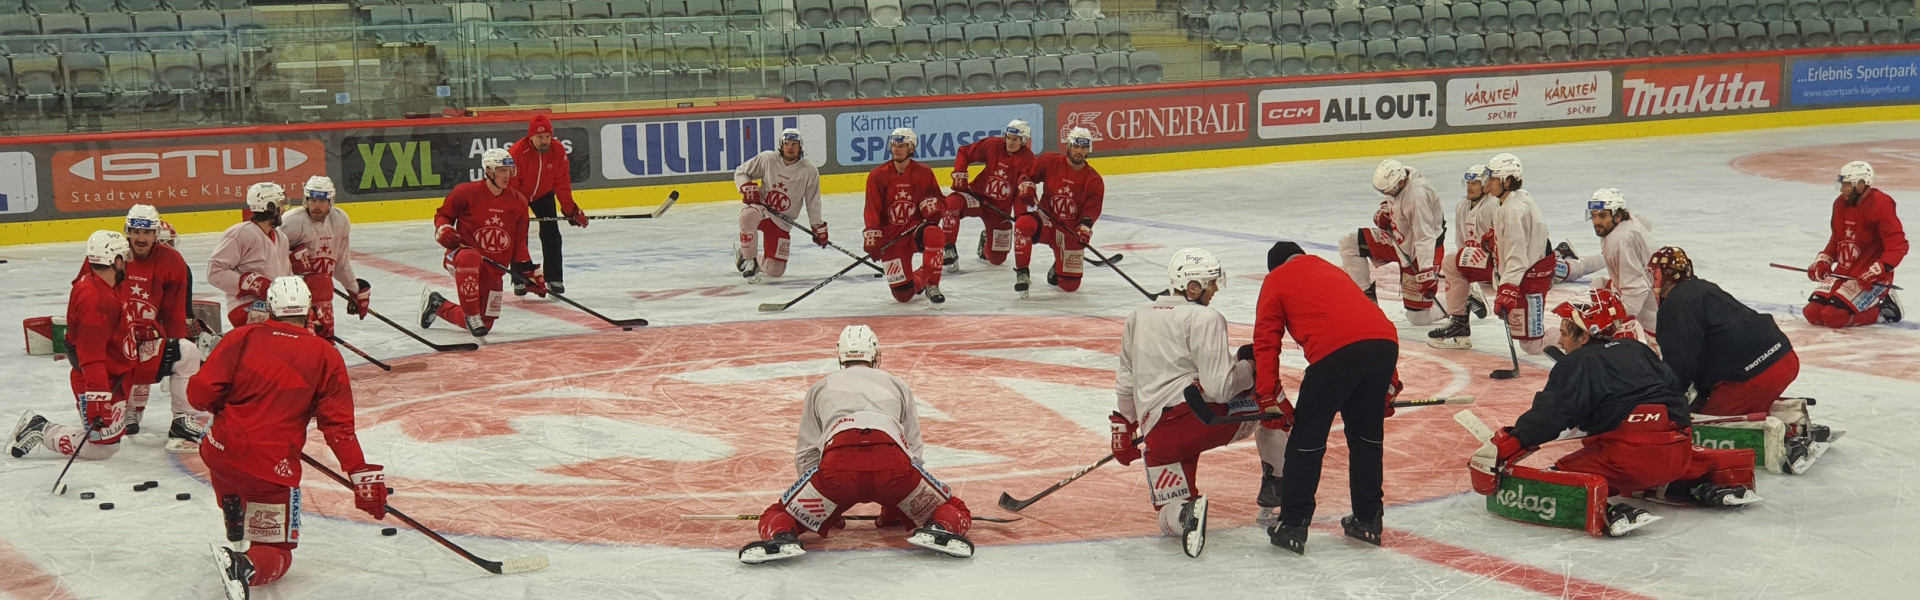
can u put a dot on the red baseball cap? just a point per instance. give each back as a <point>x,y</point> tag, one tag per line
<point>540,124</point>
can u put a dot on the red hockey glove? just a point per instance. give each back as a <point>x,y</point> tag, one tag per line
<point>107,418</point>
<point>873,241</point>
<point>820,234</point>
<point>1421,283</point>
<point>1124,449</point>
<point>370,490</point>
<point>447,237</point>
<point>959,181</point>
<point>302,261</point>
<point>536,281</point>
<point>577,217</point>
<point>1507,300</point>
<point>358,304</point>
<point>1383,217</point>
<point>1086,232</point>
<point>1026,188</point>
<point>1393,392</point>
<point>320,321</point>
<point>1490,461</point>
<point>1876,274</point>
<point>750,193</point>
<point>932,209</point>
<point>252,284</point>
<point>1280,406</point>
<point>1822,267</point>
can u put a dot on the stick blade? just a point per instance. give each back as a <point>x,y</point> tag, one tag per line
<point>772,307</point>
<point>671,198</point>
<point>1504,374</point>
<point>412,367</point>
<point>1467,399</point>
<point>1011,505</point>
<point>1473,425</point>
<point>523,564</point>
<point>468,347</point>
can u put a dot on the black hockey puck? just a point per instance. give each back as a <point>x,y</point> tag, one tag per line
<point>106,506</point>
<point>86,495</point>
<point>183,496</point>
<point>626,329</point>
<point>139,487</point>
<point>389,531</point>
<point>152,484</point>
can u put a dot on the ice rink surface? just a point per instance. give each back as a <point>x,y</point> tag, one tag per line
<point>572,439</point>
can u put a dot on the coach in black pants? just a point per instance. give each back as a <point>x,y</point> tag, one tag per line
<point>1352,351</point>
<point>544,175</point>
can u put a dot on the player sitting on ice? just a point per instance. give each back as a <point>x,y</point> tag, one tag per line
<point>860,442</point>
<point>480,221</point>
<point>776,182</point>
<point>1735,361</point>
<point>903,219</point>
<point>1407,229</point>
<point>1619,396</point>
<point>100,347</point>
<point>251,254</point>
<point>1007,160</point>
<point>1625,246</point>
<point>1062,198</point>
<point>1470,270</point>
<point>319,236</point>
<point>155,294</point>
<point>1855,269</point>
<point>1523,256</point>
<point>1176,342</point>
<point>263,384</point>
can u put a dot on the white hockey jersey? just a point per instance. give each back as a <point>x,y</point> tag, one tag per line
<point>1624,254</point>
<point>327,240</point>
<point>1520,237</point>
<point>1418,221</point>
<point>783,187</point>
<point>1168,345</point>
<point>1473,220</point>
<point>856,398</point>
<point>243,249</point>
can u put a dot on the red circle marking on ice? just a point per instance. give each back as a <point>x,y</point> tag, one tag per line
<point>1896,163</point>
<point>630,432</point>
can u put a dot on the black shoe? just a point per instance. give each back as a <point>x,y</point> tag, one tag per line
<point>1292,538</point>
<point>519,289</point>
<point>784,545</point>
<point>1889,308</point>
<point>430,308</point>
<point>556,287</point>
<point>1456,326</point>
<point>1365,530</point>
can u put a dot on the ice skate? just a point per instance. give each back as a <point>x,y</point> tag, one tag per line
<point>1292,538</point>
<point>430,303</point>
<point>934,296</point>
<point>476,326</point>
<point>235,571</point>
<point>1455,335</point>
<point>1476,304</point>
<point>1365,530</point>
<point>950,259</point>
<point>133,421</point>
<point>783,546</point>
<point>1715,495</point>
<point>981,250</point>
<point>1622,518</point>
<point>1193,527</point>
<point>938,539</point>
<point>184,436</point>
<point>519,288</point>
<point>1269,498</point>
<point>1021,281</point>
<point>556,287</point>
<point>27,435</point>
<point>1889,308</point>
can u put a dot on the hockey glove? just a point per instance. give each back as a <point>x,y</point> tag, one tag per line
<point>1393,392</point>
<point>358,304</point>
<point>820,234</point>
<point>959,181</point>
<point>1507,299</point>
<point>1383,217</point>
<point>1281,406</point>
<point>302,261</point>
<point>873,241</point>
<point>932,209</point>
<point>1876,274</point>
<point>370,490</point>
<point>447,237</point>
<point>536,282</point>
<point>1124,449</point>
<point>1490,461</point>
<point>1822,267</point>
<point>577,217</point>
<point>108,417</point>
<point>1026,188</point>
<point>1085,231</point>
<point>750,193</point>
<point>1420,283</point>
<point>252,284</point>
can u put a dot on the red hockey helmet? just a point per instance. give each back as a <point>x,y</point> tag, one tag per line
<point>1600,316</point>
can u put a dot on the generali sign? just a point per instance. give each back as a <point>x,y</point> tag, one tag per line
<point>195,175</point>
<point>1160,121</point>
<point>1688,90</point>
<point>1482,101</point>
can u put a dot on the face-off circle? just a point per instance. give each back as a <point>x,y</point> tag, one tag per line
<point>1896,163</point>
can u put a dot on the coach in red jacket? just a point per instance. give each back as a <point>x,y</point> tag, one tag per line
<point>1352,350</point>
<point>544,178</point>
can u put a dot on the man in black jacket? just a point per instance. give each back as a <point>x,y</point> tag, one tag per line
<point>1736,360</point>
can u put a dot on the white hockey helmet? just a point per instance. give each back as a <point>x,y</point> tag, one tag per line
<point>165,234</point>
<point>143,216</point>
<point>1193,264</point>
<point>265,194</point>
<point>1476,173</point>
<point>904,135</point>
<point>495,158</point>
<point>1389,176</point>
<point>1607,199</point>
<point>289,296</point>
<point>791,135</point>
<point>104,246</point>
<point>1019,128</point>
<point>858,343</point>
<point>1504,165</point>
<point>1856,171</point>
<point>1079,137</point>
<point>319,187</point>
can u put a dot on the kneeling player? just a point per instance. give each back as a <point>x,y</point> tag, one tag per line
<point>787,181</point>
<point>481,221</point>
<point>1855,269</point>
<point>98,345</point>
<point>1406,230</point>
<point>860,442</point>
<point>1637,440</point>
<point>1169,345</point>
<point>903,201</point>
<point>1007,160</point>
<point>1069,198</point>
<point>263,383</point>
<point>1469,271</point>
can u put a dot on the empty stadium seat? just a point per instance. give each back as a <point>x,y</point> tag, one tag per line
<point>889,13</point>
<point>1785,35</point>
<point>920,12</point>
<point>1803,9</point>
<point>1081,70</point>
<point>1022,10</point>
<point>1910,29</point>
<point>983,40</point>
<point>1586,45</point>
<point>86,77</point>
<point>955,11</point>
<point>1318,25</point>
<point>1847,32</point>
<point>1883,30</point>
<point>1494,17</point>
<point>836,82</point>
<point>1256,60</point>
<point>1016,38</point>
<point>843,45</point>
<point>1606,14</point>
<point>1383,55</point>
<point>38,78</point>
<point>1693,40</point>
<point>1287,28</point>
<point>1869,9</point>
<point>1753,36</point>
<point>1472,50</point>
<point>131,77</point>
<point>1434,19</point>
<point>1146,66</point>
<point>943,77</point>
<point>1055,9</point>
<point>1578,15</point>
<point>1523,15</point>
<point>1114,36</point>
<point>92,7</point>
<point>1413,53</point>
<point>1633,13</point>
<point>1113,68</point>
<point>1223,29</point>
<point>977,75</point>
<point>877,43</point>
<point>1083,36</point>
<point>177,72</point>
<point>1049,37</point>
<point>1256,28</point>
<point>1466,19</point>
<point>798,84</point>
<point>1556,47</point>
<point>1722,38</point>
<point>1666,41</point>
<point>1639,42</point>
<point>909,79</point>
<point>1815,33</point>
<point>850,13</point>
<point>1047,73</point>
<point>1613,44</point>
<point>1443,52</point>
<point>1773,10</point>
<point>1660,13</point>
<point>950,42</point>
<point>1743,11</point>
<point>807,46</point>
<point>1289,60</point>
<point>988,11</point>
<point>814,14</point>
<point>1553,15</point>
<point>872,81</point>
<point>1501,49</point>
<point>1347,24</point>
<point>1379,23</point>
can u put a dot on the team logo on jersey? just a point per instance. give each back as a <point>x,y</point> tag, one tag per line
<point>493,239</point>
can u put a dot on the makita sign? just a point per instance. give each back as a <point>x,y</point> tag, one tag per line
<point>666,149</point>
<point>1347,109</point>
<point>187,175</point>
<point>1687,90</point>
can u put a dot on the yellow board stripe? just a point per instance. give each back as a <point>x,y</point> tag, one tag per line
<point>616,199</point>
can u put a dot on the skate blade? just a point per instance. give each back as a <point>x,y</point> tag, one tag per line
<point>1267,518</point>
<point>1833,435</point>
<point>953,547</point>
<point>180,446</point>
<point>1620,528</point>
<point>754,556</point>
<point>1194,541</point>
<point>1745,498</point>
<point>1451,343</point>
<point>1814,450</point>
<point>223,564</point>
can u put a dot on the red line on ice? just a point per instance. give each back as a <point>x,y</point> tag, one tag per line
<point>25,579</point>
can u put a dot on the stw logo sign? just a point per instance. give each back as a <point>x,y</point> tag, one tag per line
<point>196,175</point>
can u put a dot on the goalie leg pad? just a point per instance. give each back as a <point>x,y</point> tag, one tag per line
<point>1565,499</point>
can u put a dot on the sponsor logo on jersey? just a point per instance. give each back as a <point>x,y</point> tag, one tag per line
<point>19,185</point>
<point>1687,90</point>
<point>1518,498</point>
<point>187,175</point>
<point>1347,109</point>
<point>671,148</point>
<point>1484,101</point>
<point>862,136</point>
<point>1159,121</point>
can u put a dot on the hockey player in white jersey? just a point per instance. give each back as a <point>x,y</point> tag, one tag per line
<point>860,442</point>
<point>1523,258</point>
<point>776,182</point>
<point>1176,342</point>
<point>1469,271</point>
<point>319,236</point>
<point>251,255</point>
<point>1625,247</point>
<point>1407,230</point>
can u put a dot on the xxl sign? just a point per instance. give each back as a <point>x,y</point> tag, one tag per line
<point>1347,109</point>
<point>185,175</point>
<point>1483,101</point>
<point>1159,121</point>
<point>670,148</point>
<point>439,161</point>
<point>862,136</point>
<point>1689,90</point>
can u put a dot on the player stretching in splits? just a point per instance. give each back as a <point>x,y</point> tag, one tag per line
<point>860,442</point>
<point>776,182</point>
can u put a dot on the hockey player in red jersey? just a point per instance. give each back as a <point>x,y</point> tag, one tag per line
<point>860,442</point>
<point>155,295</point>
<point>102,351</point>
<point>320,236</point>
<point>1177,342</point>
<point>250,255</point>
<point>1006,161</point>
<point>1619,394</point>
<point>486,218</point>
<point>1061,200</point>
<point>903,199</point>
<point>1406,230</point>
<point>1855,269</point>
<point>264,383</point>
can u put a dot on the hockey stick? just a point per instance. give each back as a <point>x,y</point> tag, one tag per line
<point>1748,418</point>
<point>404,368</point>
<point>777,307</point>
<point>672,197</point>
<point>627,324</point>
<point>84,437</point>
<point>790,223</point>
<point>520,564</point>
<point>436,347</point>
<point>847,517</point>
<point>1504,374</point>
<point>1207,415</point>
<point>1011,505</point>
<point>1842,277</point>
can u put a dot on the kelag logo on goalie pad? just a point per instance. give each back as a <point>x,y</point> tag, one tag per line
<point>1540,502</point>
